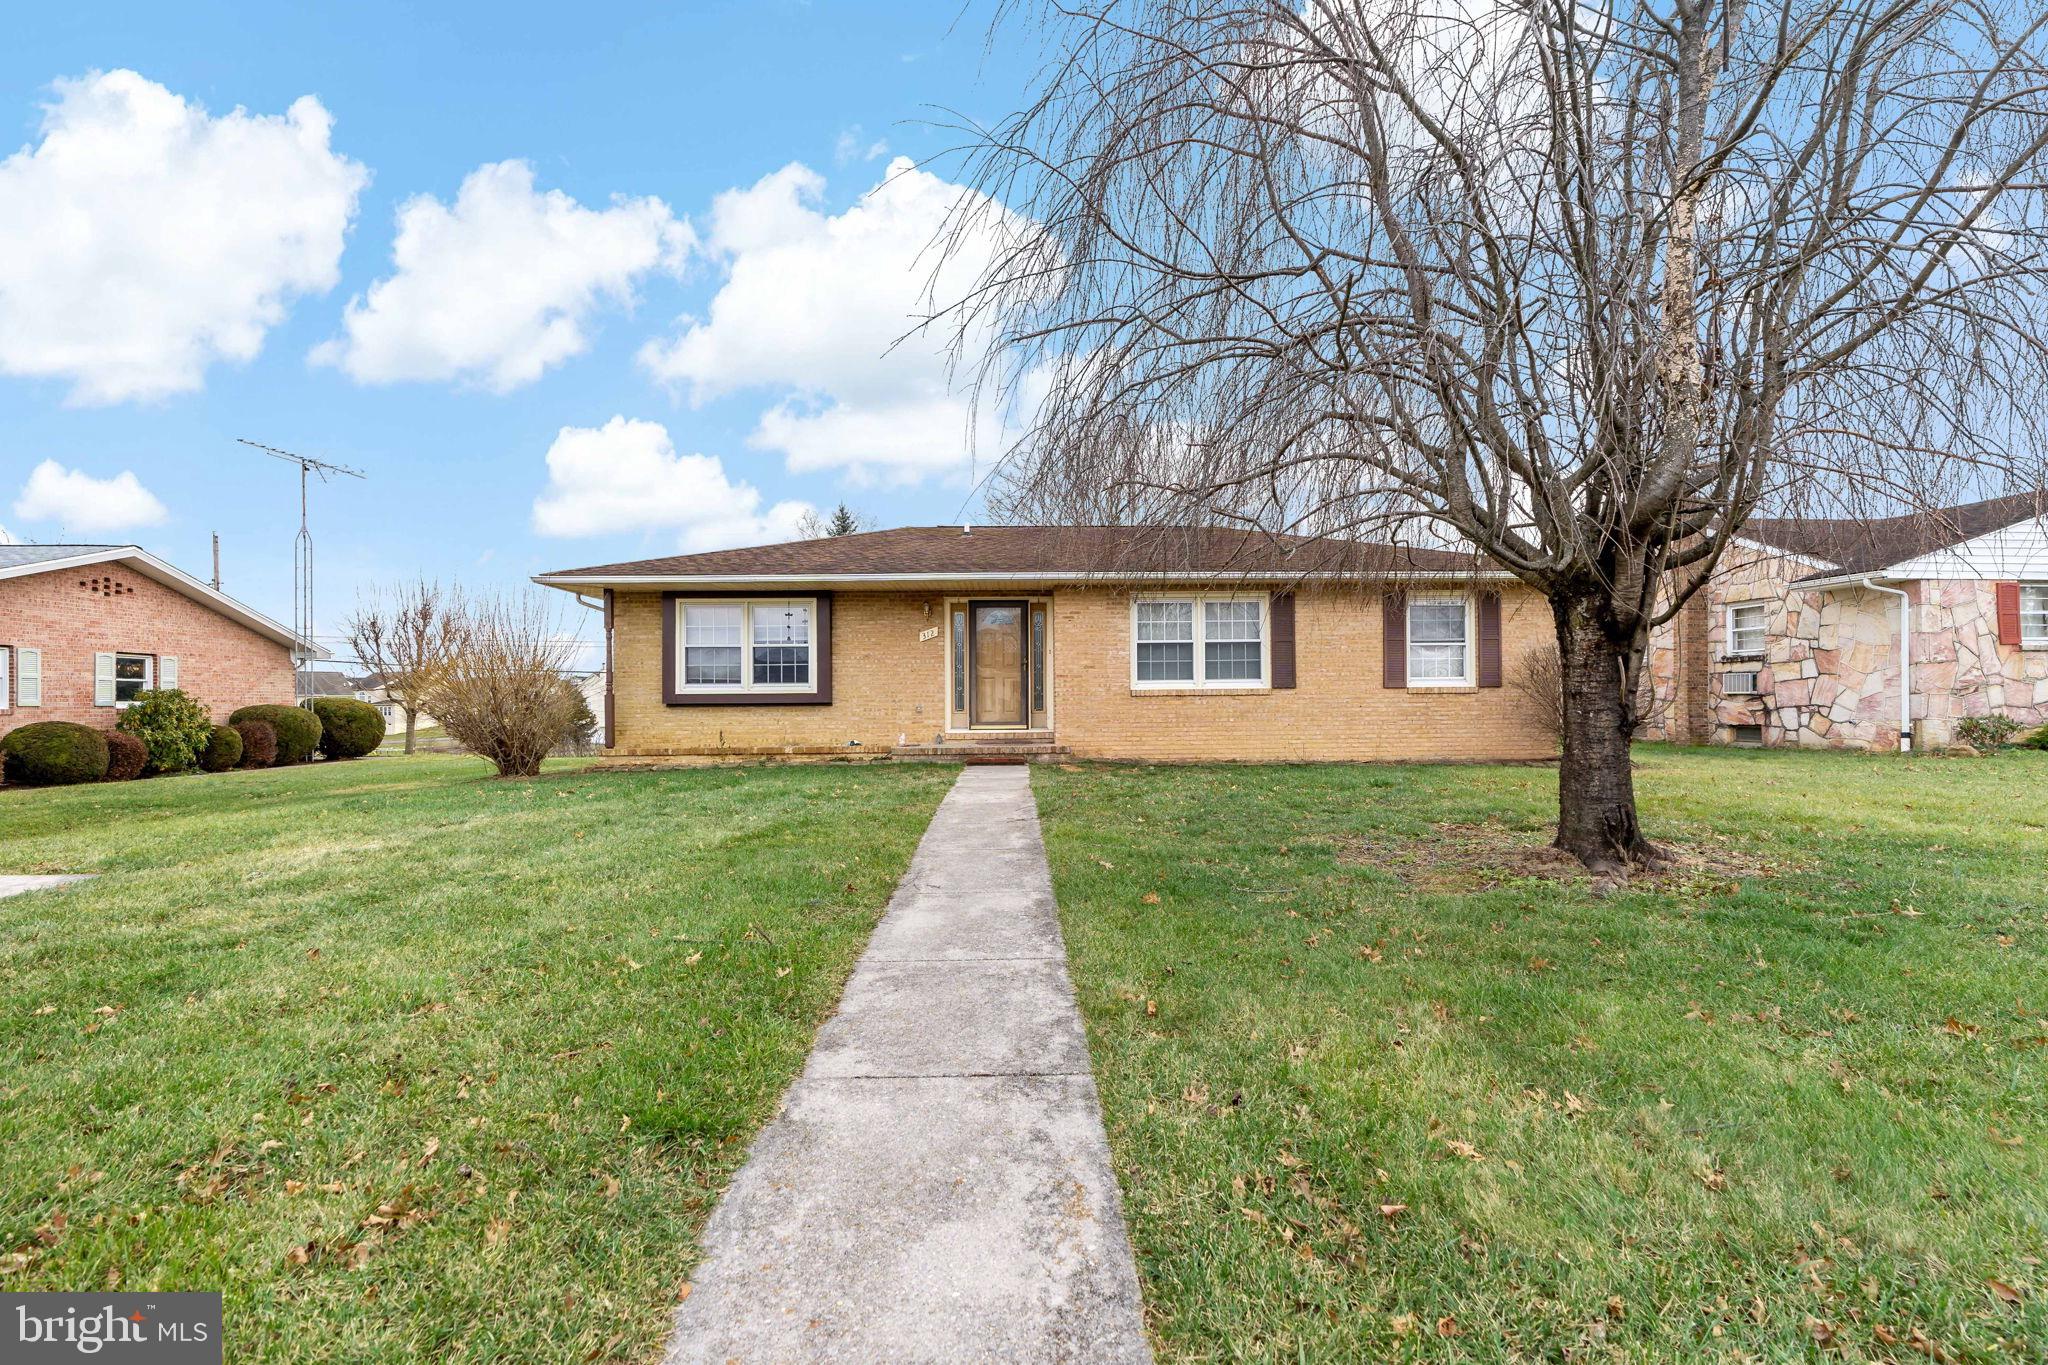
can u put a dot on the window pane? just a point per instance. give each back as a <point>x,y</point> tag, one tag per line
<point>1166,621</point>
<point>782,623</point>
<point>1436,661</point>
<point>711,666</point>
<point>782,649</point>
<point>959,661</point>
<point>1230,621</point>
<point>1166,662</point>
<point>131,676</point>
<point>1436,622</point>
<point>1746,628</point>
<point>711,645</point>
<point>1231,660</point>
<point>711,625</point>
<point>2034,614</point>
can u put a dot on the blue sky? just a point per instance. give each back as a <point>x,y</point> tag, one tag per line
<point>182,277</point>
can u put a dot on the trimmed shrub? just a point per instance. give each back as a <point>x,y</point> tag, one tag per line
<point>223,748</point>
<point>259,742</point>
<point>2037,740</point>
<point>348,728</point>
<point>171,725</point>
<point>127,756</point>
<point>53,753</point>
<point>298,730</point>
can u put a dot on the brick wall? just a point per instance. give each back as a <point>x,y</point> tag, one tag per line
<point>887,683</point>
<point>220,662</point>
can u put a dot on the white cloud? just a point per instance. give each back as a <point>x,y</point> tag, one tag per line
<point>626,476</point>
<point>854,145</point>
<point>503,284</point>
<point>142,240</point>
<point>821,308</point>
<point>80,503</point>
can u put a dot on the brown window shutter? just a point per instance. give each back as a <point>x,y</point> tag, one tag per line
<point>1280,617</point>
<point>2009,614</point>
<point>1394,638</point>
<point>1489,639</point>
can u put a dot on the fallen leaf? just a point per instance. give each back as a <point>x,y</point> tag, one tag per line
<point>2004,1290</point>
<point>1463,1149</point>
<point>1447,1326</point>
<point>1392,1211</point>
<point>1150,898</point>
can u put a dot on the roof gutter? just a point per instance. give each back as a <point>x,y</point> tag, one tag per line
<point>578,583</point>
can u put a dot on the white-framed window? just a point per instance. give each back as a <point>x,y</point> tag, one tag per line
<point>727,645</point>
<point>6,678</point>
<point>2034,615</point>
<point>1440,641</point>
<point>1746,629</point>
<point>1199,640</point>
<point>117,679</point>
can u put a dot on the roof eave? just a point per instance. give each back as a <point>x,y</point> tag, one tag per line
<point>586,582</point>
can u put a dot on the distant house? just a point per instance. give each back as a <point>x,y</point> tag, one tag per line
<point>85,628</point>
<point>1867,634</point>
<point>322,682</point>
<point>372,688</point>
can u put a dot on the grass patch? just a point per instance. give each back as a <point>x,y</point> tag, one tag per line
<point>1384,1082</point>
<point>416,1065</point>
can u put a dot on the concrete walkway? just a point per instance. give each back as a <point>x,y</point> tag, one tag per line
<point>15,884</point>
<point>937,1186</point>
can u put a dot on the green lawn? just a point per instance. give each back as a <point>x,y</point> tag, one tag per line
<point>414,1064</point>
<point>1382,1085</point>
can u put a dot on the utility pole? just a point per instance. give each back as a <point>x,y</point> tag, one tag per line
<point>302,546</point>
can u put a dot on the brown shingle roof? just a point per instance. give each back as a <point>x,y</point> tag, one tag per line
<point>1860,545</point>
<point>1044,551</point>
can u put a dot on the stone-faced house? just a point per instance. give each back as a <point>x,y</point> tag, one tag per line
<point>84,628</point>
<point>1869,634</point>
<point>1033,641</point>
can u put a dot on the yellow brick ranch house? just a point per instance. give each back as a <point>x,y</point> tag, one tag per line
<point>1041,641</point>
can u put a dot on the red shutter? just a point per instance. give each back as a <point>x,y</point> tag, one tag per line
<point>2009,614</point>
<point>1489,639</point>
<point>1280,618</point>
<point>1394,638</point>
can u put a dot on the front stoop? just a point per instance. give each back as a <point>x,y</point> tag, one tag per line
<point>994,746</point>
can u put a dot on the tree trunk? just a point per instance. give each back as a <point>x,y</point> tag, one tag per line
<point>410,717</point>
<point>1596,792</point>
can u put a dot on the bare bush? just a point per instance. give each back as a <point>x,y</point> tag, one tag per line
<point>500,692</point>
<point>1538,679</point>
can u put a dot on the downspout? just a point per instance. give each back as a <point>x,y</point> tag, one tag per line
<point>1905,661</point>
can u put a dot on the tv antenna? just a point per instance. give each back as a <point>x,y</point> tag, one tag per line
<point>302,546</point>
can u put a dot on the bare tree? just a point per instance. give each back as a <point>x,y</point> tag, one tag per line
<point>1574,284</point>
<point>841,521</point>
<point>501,693</point>
<point>404,635</point>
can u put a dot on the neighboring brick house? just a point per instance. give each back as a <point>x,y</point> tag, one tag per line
<point>1032,641</point>
<point>1796,640</point>
<point>83,628</point>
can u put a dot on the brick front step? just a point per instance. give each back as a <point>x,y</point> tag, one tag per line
<point>983,750</point>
